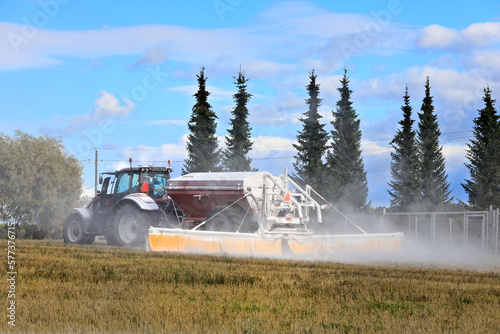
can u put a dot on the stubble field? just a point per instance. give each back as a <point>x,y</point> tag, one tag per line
<point>100,289</point>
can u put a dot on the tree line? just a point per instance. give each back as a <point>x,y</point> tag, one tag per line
<point>331,161</point>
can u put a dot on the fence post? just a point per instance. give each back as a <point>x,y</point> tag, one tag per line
<point>451,232</point>
<point>433,228</point>
<point>484,224</point>
<point>416,228</point>
<point>466,230</point>
<point>496,234</point>
<point>384,222</point>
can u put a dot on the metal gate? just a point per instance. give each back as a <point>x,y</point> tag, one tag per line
<point>468,229</point>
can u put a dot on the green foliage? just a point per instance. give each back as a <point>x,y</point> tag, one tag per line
<point>405,187</point>
<point>311,142</point>
<point>238,142</point>
<point>434,180</point>
<point>483,153</point>
<point>347,180</point>
<point>39,182</point>
<point>202,145</point>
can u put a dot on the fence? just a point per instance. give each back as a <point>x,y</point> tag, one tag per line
<point>470,229</point>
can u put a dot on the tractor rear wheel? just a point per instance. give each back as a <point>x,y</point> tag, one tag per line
<point>130,226</point>
<point>74,231</point>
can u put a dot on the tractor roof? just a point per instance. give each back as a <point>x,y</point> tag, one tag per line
<point>138,169</point>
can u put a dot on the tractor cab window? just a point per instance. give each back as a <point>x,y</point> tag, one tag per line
<point>126,184</point>
<point>157,183</point>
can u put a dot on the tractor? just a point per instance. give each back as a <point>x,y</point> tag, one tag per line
<point>130,200</point>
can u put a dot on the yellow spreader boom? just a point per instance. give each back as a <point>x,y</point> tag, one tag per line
<point>268,245</point>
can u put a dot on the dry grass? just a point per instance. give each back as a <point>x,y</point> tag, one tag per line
<point>81,289</point>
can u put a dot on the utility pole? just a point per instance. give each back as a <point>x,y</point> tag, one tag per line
<point>96,171</point>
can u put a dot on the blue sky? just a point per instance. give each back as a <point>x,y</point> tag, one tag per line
<point>119,75</point>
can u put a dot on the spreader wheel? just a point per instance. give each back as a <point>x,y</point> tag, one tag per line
<point>221,222</point>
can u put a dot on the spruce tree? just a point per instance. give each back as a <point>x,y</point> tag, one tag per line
<point>347,180</point>
<point>311,142</point>
<point>405,193</point>
<point>435,188</point>
<point>238,142</point>
<point>202,145</point>
<point>483,152</point>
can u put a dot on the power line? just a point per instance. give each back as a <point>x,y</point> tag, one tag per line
<point>273,158</point>
<point>255,147</point>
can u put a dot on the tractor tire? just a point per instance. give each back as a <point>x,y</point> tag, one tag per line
<point>74,230</point>
<point>130,226</point>
<point>221,222</point>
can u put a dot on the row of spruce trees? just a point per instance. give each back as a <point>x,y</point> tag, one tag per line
<point>331,161</point>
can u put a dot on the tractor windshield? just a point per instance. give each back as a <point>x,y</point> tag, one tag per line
<point>126,183</point>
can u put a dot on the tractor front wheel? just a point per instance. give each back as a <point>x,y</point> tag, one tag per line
<point>74,231</point>
<point>130,227</point>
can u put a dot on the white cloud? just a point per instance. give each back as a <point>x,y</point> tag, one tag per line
<point>482,33</point>
<point>454,156</point>
<point>477,34</point>
<point>436,36</point>
<point>457,94</point>
<point>117,166</point>
<point>369,148</point>
<point>153,56</point>
<point>488,59</point>
<point>263,146</point>
<point>172,122</point>
<point>305,18</point>
<point>106,108</point>
<point>266,69</point>
<point>306,31</point>
<point>283,111</point>
<point>158,155</point>
<point>108,105</point>
<point>329,85</point>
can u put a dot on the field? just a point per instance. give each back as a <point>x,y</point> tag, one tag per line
<point>101,289</point>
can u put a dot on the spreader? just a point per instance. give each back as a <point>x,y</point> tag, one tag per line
<point>255,214</point>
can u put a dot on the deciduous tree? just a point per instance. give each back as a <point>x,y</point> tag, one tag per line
<point>39,182</point>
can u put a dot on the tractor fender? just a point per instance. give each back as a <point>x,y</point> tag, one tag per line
<point>86,215</point>
<point>142,201</point>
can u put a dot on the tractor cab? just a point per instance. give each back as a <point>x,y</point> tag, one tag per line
<point>130,200</point>
<point>149,180</point>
